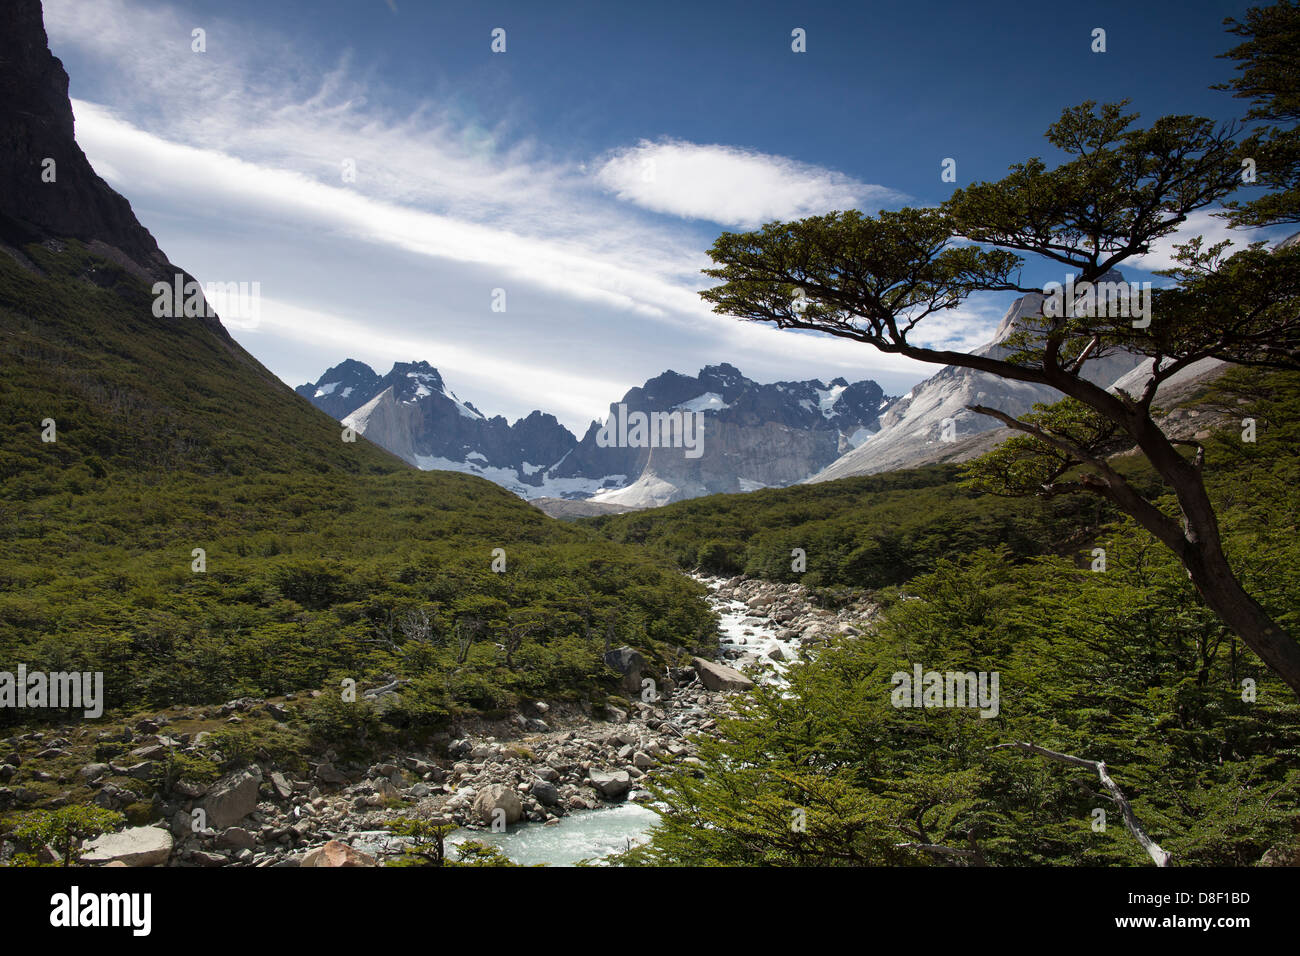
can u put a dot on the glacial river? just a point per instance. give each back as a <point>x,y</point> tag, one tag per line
<point>582,835</point>
<point>592,834</point>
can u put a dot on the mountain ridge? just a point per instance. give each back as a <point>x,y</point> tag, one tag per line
<point>751,435</point>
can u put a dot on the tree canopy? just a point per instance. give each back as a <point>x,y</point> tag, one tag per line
<point>1121,188</point>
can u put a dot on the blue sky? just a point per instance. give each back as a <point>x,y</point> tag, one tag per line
<point>584,171</point>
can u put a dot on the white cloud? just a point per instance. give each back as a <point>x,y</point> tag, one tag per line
<point>1202,223</point>
<point>729,185</point>
<point>611,273</point>
<point>573,398</point>
<point>236,154</point>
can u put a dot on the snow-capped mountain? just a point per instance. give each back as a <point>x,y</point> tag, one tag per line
<point>343,388</point>
<point>753,435</point>
<point>740,435</point>
<point>412,413</point>
<point>911,431</point>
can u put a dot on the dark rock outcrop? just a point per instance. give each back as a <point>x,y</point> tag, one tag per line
<point>36,125</point>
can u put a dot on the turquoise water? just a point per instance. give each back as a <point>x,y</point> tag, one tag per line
<point>582,835</point>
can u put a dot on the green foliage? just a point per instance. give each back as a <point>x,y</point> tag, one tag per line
<point>324,559</point>
<point>1067,433</point>
<point>65,828</point>
<point>264,741</point>
<point>428,846</point>
<point>866,532</point>
<point>478,853</point>
<point>1269,79</point>
<point>1122,667</point>
<point>347,726</point>
<point>189,767</point>
<point>1126,666</point>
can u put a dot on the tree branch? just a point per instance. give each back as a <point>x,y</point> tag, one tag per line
<point>1153,849</point>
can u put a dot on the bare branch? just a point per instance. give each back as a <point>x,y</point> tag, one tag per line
<point>1158,855</point>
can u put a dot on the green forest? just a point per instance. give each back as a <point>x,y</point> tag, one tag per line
<point>322,559</point>
<point>1124,666</point>
<point>176,518</point>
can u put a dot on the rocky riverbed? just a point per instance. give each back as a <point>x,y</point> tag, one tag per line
<point>536,769</point>
<point>766,625</point>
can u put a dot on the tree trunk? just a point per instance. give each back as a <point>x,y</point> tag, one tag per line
<point>1207,565</point>
<point>1218,586</point>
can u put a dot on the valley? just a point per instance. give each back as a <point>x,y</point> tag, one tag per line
<point>782,621</point>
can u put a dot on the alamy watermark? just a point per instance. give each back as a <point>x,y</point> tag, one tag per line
<point>675,429</point>
<point>238,304</point>
<point>946,689</point>
<point>59,689</point>
<point>1122,300</point>
<point>77,909</point>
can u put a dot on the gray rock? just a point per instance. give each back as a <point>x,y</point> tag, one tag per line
<point>138,846</point>
<point>231,798</point>
<point>546,793</point>
<point>189,789</point>
<point>720,677</point>
<point>91,772</point>
<point>630,663</point>
<point>459,748</point>
<point>328,773</point>
<point>236,838</point>
<point>498,797</point>
<point>182,825</point>
<point>611,785</point>
<point>281,785</point>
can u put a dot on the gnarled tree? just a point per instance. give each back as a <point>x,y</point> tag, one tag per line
<point>875,279</point>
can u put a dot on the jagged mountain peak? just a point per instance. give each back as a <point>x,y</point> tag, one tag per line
<point>757,435</point>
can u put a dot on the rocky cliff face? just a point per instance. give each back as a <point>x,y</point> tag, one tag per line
<point>412,413</point>
<point>751,435</point>
<point>743,435</point>
<point>912,430</point>
<point>66,199</point>
<point>343,388</point>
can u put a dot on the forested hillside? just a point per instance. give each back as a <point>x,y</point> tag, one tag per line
<point>321,558</point>
<point>1123,665</point>
<point>857,532</point>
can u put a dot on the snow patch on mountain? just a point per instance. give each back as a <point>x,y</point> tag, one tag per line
<point>708,402</point>
<point>512,480</point>
<point>827,397</point>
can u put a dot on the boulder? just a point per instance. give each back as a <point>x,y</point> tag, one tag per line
<point>611,785</point>
<point>498,797</point>
<point>329,774</point>
<point>719,677</point>
<point>182,824</point>
<point>231,798</point>
<point>459,748</point>
<point>92,772</point>
<point>546,793</point>
<point>138,846</point>
<point>1281,856</point>
<point>628,662</point>
<point>336,854</point>
<point>236,838</point>
<point>280,783</point>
